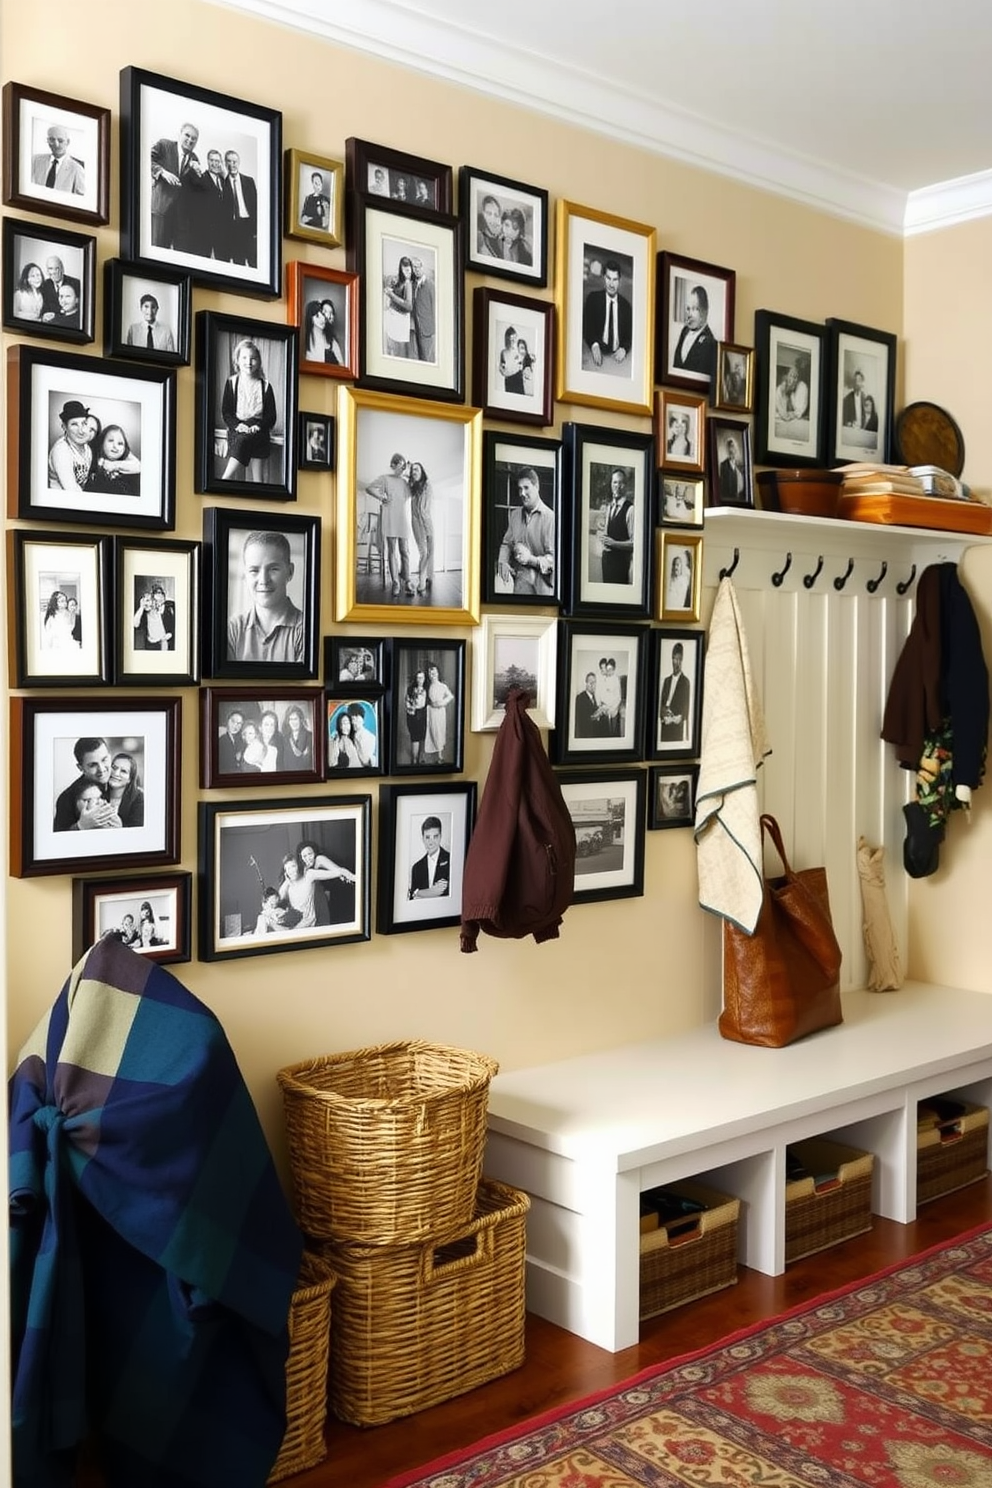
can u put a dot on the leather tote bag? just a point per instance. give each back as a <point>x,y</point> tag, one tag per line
<point>782,982</point>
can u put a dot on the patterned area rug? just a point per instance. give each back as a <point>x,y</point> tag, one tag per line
<point>887,1384</point>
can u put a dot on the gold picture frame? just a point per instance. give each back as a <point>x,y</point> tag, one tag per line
<point>303,207</point>
<point>677,593</point>
<point>436,580</point>
<point>605,272</point>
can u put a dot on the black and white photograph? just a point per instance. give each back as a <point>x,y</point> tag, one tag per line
<point>150,915</point>
<point>682,500</point>
<point>323,303</point>
<point>732,388</point>
<point>513,651</point>
<point>157,595</point>
<point>607,811</point>
<point>260,736</point>
<point>513,357</point>
<point>315,442</point>
<point>678,575</point>
<point>523,519</point>
<point>427,707</point>
<point>792,390</point>
<point>283,875</point>
<point>675,694</point>
<point>354,743</point>
<point>680,430</point>
<point>246,386</point>
<point>314,191</point>
<point>408,515</point>
<point>610,480</point>
<point>201,182</point>
<point>672,796</point>
<point>695,311</point>
<point>424,833</point>
<point>56,155</point>
<point>350,660</point>
<point>61,633</point>
<point>600,693</point>
<point>146,314</point>
<point>49,281</point>
<point>377,171</point>
<point>862,376</point>
<point>730,471</point>
<point>261,579</point>
<point>506,226</point>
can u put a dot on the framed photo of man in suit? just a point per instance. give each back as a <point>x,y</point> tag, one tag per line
<point>675,694</point>
<point>730,472</point>
<point>793,394</point>
<point>696,310</point>
<point>862,389</point>
<point>56,157</point>
<point>424,832</point>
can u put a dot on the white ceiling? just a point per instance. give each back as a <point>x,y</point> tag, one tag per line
<point>878,110</point>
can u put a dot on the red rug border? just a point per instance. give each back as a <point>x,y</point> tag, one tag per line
<point>462,1455</point>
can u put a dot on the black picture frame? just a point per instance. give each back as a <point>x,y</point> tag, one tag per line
<point>529,581</point>
<point>192,225</point>
<point>603,725</point>
<point>81,189</point>
<point>405,816</point>
<point>361,747</point>
<point>672,796</point>
<point>315,441</point>
<point>140,401</point>
<point>60,631</point>
<point>243,848</point>
<point>678,280</point>
<point>59,306</point>
<point>136,300</point>
<point>726,488</point>
<point>485,246</point>
<point>228,646</point>
<point>45,734</point>
<point>607,811</point>
<point>356,661</point>
<point>513,358</point>
<point>366,161</point>
<point>441,733</point>
<point>103,907</point>
<point>277,755</point>
<point>161,575</point>
<point>259,450</point>
<point>853,350</point>
<point>675,695</point>
<point>792,393</point>
<point>598,462</point>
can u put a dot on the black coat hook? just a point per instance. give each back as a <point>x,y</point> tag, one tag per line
<point>726,572</point>
<point>873,584</point>
<point>810,579</point>
<point>902,587</point>
<point>778,577</point>
<point>842,579</point>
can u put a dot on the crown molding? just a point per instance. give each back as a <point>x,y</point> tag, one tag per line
<point>948,203</point>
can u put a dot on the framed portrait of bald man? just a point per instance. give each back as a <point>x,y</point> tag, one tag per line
<point>695,312</point>
<point>56,155</point>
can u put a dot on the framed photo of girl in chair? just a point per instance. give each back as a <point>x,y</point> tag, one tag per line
<point>246,381</point>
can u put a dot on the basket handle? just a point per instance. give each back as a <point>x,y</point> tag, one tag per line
<point>432,1270</point>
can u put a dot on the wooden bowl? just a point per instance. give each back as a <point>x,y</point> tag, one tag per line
<point>802,493</point>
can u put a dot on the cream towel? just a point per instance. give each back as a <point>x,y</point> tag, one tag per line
<point>733,745</point>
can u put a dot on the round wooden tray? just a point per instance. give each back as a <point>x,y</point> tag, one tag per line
<point>925,434</point>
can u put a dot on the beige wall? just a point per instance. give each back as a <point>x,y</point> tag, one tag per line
<point>620,971</point>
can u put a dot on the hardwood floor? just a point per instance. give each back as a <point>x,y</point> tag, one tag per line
<point>561,1368</point>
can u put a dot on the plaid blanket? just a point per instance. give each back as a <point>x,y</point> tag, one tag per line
<point>153,1253</point>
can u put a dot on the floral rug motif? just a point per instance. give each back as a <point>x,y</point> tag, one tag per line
<point>886,1384</point>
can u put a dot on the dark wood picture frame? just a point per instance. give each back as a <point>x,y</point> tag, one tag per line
<point>29,246</point>
<point>405,900</point>
<point>607,810</point>
<point>600,464</point>
<point>434,723</point>
<point>299,759</point>
<point>675,694</point>
<point>672,796</point>
<point>509,576</point>
<point>604,725</point>
<point>126,288</point>
<point>315,441</point>
<point>58,624</point>
<point>792,399</point>
<point>25,110</point>
<point>103,907</point>
<point>356,661</point>
<point>226,347</point>
<point>363,159</point>
<point>726,488</point>
<point>361,749</point>
<point>853,351</point>
<point>486,245</point>
<point>513,385</point>
<point>309,287</point>
<point>678,308</point>
<point>162,574</point>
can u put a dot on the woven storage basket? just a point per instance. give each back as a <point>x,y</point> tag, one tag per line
<point>418,1324</point>
<point>303,1445</point>
<point>952,1147</point>
<point>386,1143</point>
<point>689,1257</point>
<point>830,1205</point>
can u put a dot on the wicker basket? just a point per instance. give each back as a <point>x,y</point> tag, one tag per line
<point>952,1147</point>
<point>418,1324</point>
<point>303,1445</point>
<point>386,1143</point>
<point>832,1203</point>
<point>690,1256</point>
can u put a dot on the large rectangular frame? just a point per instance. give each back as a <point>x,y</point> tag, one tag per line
<point>96,902</point>
<point>439,731</point>
<point>510,577</point>
<point>508,383</point>
<point>602,463</point>
<point>404,902</point>
<point>526,209</point>
<point>792,391</point>
<point>28,245</point>
<point>607,811</point>
<point>222,438</point>
<point>167,571</point>
<point>603,727</point>
<point>854,350</point>
<point>675,696</point>
<point>84,193</point>
<point>58,618</point>
<point>680,280</point>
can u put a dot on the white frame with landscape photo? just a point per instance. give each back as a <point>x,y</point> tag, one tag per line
<point>513,651</point>
<point>142,565</point>
<point>42,566</point>
<point>593,800</point>
<point>27,115</point>
<point>474,186</point>
<point>402,811</point>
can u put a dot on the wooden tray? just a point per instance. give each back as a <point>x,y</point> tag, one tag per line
<point>919,511</point>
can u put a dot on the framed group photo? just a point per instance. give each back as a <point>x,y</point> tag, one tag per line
<point>408,510</point>
<point>355,728</point>
<point>352,659</point>
<point>60,635</point>
<point>513,651</point>
<point>678,575</point>
<point>378,171</point>
<point>151,915</point>
<point>609,481</point>
<point>49,279</point>
<point>604,294</point>
<point>513,357</point>
<point>99,783</point>
<point>323,303</point>
<point>146,313</point>
<point>675,694</point>
<point>427,707</point>
<point>246,407</point>
<point>731,473</point>
<point>862,391</point>
<point>680,430</point>
<point>424,832</point>
<point>672,796</point>
<point>201,183</point>
<point>56,155</point>
<point>695,311</point>
<point>254,736</point>
<point>284,875</point>
<point>90,440</point>
<point>792,391</point>
<point>522,521</point>
<point>506,226</point>
<point>157,620</point>
<point>600,704</point>
<point>607,811</point>
<point>314,195</point>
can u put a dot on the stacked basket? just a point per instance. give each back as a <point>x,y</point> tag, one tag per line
<point>386,1147</point>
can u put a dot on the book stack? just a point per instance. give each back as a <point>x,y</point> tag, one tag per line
<point>880,480</point>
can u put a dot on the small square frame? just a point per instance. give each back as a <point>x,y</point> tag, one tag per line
<point>678,277</point>
<point>680,430</point>
<point>505,458</point>
<point>315,216</point>
<point>29,245</point>
<point>607,810</point>
<point>675,700</point>
<point>782,435</point>
<point>855,349</point>
<point>308,287</point>
<point>315,441</point>
<point>363,159</point>
<point>124,288</point>
<point>443,721</point>
<point>513,651</point>
<point>604,727</point>
<point>484,251</point>
<point>722,478</point>
<point>220,433</point>
<point>99,906</point>
<point>403,904</point>
<point>672,796</point>
<point>677,595</point>
<point>732,389</point>
<point>681,499</point>
<point>344,759</point>
<point>50,646</point>
<point>27,113</point>
<point>300,752</point>
<point>142,566</point>
<point>614,581</point>
<point>507,384</point>
<point>355,661</point>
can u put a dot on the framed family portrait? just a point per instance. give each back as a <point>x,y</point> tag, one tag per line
<point>696,310</point>
<point>672,796</point>
<point>99,783</point>
<point>680,430</point>
<point>56,155</point>
<point>511,651</point>
<point>157,612</point>
<point>675,694</point>
<point>424,832</point>
<point>355,659</point>
<point>246,407</point>
<point>506,226</point>
<point>681,499</point>
<point>49,281</point>
<point>284,875</point>
<point>427,707</point>
<point>410,337</point>
<point>522,521</point>
<point>146,313</point>
<point>355,733</point>
<point>604,294</point>
<point>58,592</point>
<point>323,303</point>
<point>90,440</point>
<point>513,342</point>
<point>315,441</point>
<point>254,736</point>
<point>678,575</point>
<point>314,197</point>
<point>609,481</point>
<point>408,510</point>
<point>731,475</point>
<point>862,374</point>
<point>151,915</point>
<point>792,398</point>
<point>600,704</point>
<point>201,183</point>
<point>261,588</point>
<point>378,171</point>
<point>732,388</point>
<point>607,811</point>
